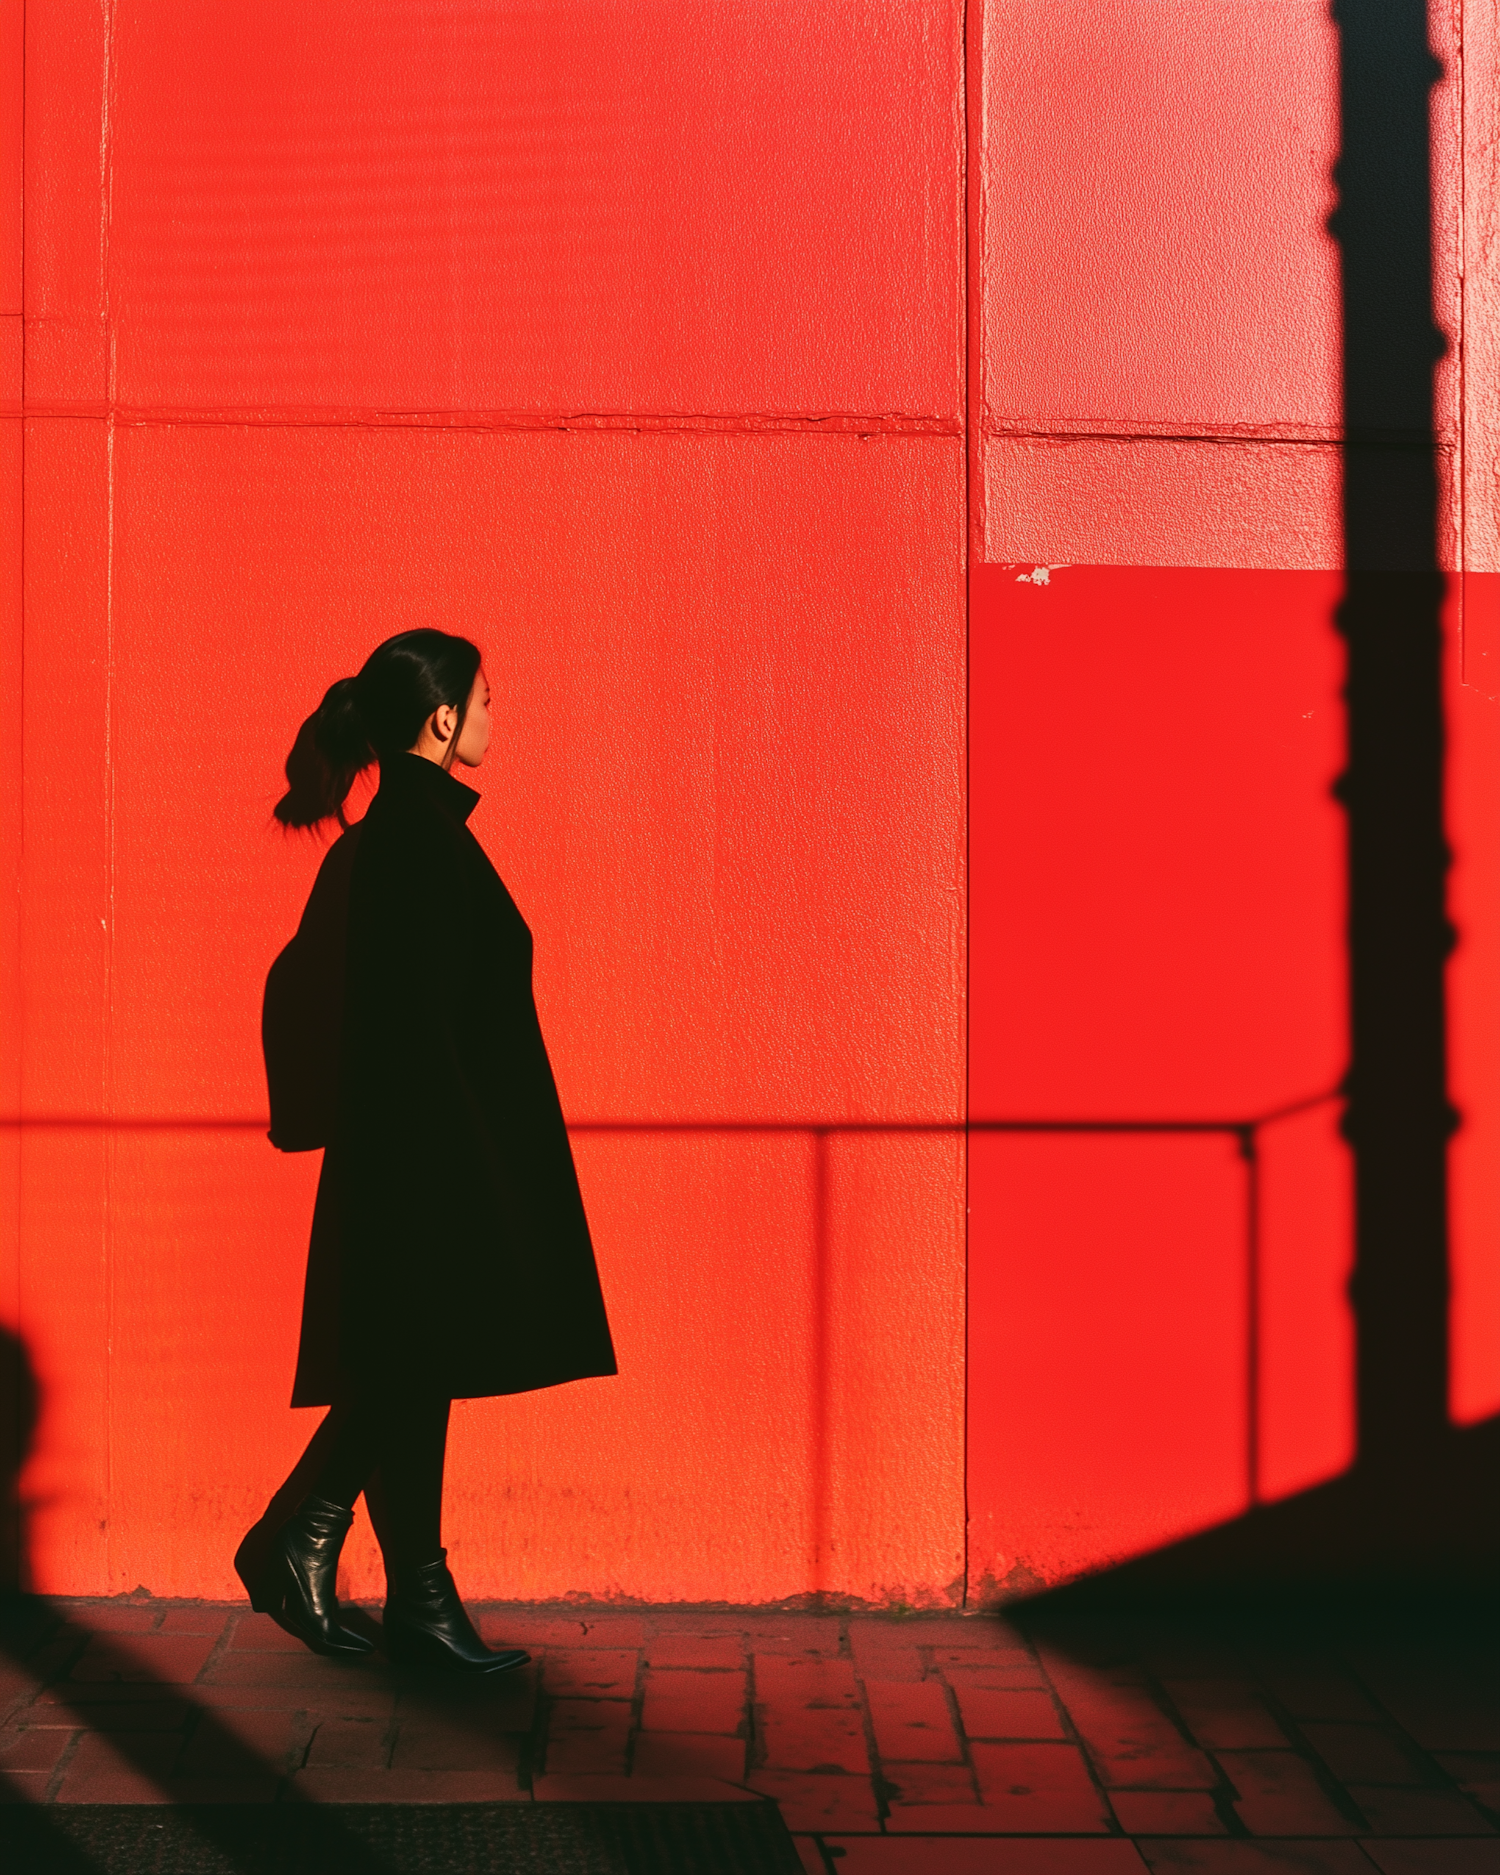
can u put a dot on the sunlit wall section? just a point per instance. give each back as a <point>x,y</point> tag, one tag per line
<point>629,341</point>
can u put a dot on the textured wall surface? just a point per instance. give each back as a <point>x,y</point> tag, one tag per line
<point>892,458</point>
<point>600,335</point>
<point>1159,1326</point>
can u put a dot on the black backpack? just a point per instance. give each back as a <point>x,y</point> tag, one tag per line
<point>303,1011</point>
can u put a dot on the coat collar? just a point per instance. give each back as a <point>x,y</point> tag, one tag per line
<point>406,774</point>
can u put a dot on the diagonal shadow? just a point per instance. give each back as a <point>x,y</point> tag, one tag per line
<point>43,1644</point>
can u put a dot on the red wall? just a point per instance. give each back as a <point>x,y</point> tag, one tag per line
<point>1159,1327</point>
<point>723,371</point>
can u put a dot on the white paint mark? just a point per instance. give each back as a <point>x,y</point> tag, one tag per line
<point>1040,575</point>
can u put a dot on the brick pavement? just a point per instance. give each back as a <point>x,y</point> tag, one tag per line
<point>929,1745</point>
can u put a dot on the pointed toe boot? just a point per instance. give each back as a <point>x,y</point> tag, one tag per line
<point>290,1576</point>
<point>426,1625</point>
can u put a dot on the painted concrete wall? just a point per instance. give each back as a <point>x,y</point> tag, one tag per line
<point>721,369</point>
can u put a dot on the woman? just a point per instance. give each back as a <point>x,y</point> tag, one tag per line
<point>450,1255</point>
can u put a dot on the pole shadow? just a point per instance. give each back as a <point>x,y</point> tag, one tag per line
<point>1418,1513</point>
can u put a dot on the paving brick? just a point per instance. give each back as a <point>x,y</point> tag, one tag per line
<point>1004,1669</point>
<point>260,1634</point>
<point>918,1785</point>
<point>113,1618</point>
<point>506,1703</point>
<point>97,1773</point>
<point>813,1802</point>
<point>1170,1653</point>
<point>589,1715</point>
<point>605,1789</point>
<point>16,1685</point>
<point>912,1722</point>
<point>521,1627</point>
<point>688,1754</point>
<point>1132,1742</point>
<point>197,1618</point>
<point>1038,1788</point>
<point>1476,1772</point>
<point>1319,1693</point>
<point>613,1631</point>
<point>1367,1754</point>
<point>1165,1857</point>
<point>99,1693</point>
<point>1278,1795</point>
<point>793,1634</point>
<point>973,1855</point>
<point>695,1650</point>
<point>1444,1706</point>
<point>937,1819</point>
<point>429,1745</point>
<point>587,1735</point>
<point>24,1786</point>
<point>1446,1699</point>
<point>683,1700</point>
<point>301,1671</point>
<point>168,1659</point>
<point>1473,1770</point>
<point>988,1714</point>
<point>810,1854</point>
<point>815,1741</point>
<point>135,1715</point>
<point>699,1621</point>
<point>1435,1858</point>
<point>1225,1714</point>
<point>341,1744</point>
<point>881,1653</point>
<point>605,1674</point>
<point>1167,1813</point>
<point>1418,1812</point>
<point>55,1654</point>
<point>961,1630</point>
<point>330,1786</point>
<point>202,1790</point>
<point>245,1744</point>
<point>371,1700</point>
<point>32,1748</point>
<point>786,1685</point>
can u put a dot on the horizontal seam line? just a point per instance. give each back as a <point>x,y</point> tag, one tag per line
<point>341,417</point>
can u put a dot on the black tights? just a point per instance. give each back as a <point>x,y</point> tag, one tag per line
<point>392,1450</point>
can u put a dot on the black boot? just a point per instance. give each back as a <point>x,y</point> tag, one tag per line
<point>292,1581</point>
<point>426,1624</point>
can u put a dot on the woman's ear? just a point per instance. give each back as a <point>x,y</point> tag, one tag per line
<point>443,723</point>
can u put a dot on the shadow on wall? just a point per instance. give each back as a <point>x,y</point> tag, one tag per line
<point>1419,1504</point>
<point>20,1409</point>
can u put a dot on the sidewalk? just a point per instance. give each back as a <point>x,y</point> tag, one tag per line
<point>917,1746</point>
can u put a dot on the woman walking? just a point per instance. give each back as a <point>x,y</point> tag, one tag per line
<point>450,1255</point>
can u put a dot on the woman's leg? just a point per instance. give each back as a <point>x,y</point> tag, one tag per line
<point>352,1436</point>
<point>405,1496</point>
<point>426,1624</point>
<point>289,1561</point>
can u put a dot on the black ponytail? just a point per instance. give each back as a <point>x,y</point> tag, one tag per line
<point>372,716</point>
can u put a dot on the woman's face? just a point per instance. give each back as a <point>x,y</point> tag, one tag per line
<point>474,737</point>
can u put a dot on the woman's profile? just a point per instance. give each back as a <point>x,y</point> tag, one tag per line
<point>450,1255</point>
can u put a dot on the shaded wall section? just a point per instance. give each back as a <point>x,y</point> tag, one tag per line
<point>1227,487</point>
<point>600,335</point>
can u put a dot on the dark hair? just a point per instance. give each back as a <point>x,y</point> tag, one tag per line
<point>372,716</point>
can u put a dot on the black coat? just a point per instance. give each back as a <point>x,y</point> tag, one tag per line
<point>450,1251</point>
